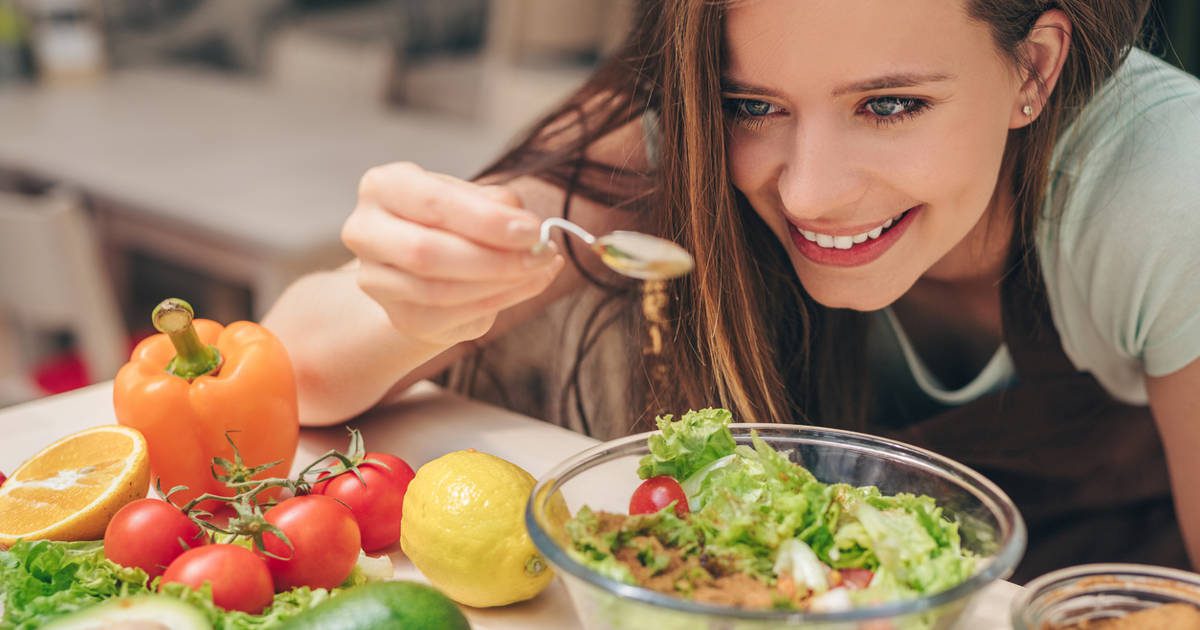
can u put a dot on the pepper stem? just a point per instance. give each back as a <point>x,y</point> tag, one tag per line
<point>193,358</point>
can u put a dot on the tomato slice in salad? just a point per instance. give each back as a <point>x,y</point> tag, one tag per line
<point>856,578</point>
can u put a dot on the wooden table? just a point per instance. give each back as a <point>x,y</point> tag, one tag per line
<point>225,175</point>
<point>429,423</point>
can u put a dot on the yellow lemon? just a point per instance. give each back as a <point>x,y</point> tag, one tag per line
<point>464,528</point>
<point>71,489</point>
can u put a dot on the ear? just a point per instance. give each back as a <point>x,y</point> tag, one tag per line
<point>1043,52</point>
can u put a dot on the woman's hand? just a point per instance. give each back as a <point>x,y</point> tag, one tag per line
<point>442,256</point>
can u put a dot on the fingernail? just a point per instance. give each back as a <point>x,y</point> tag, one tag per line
<point>523,230</point>
<point>540,259</point>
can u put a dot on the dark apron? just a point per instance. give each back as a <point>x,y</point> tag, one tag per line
<point>1087,472</point>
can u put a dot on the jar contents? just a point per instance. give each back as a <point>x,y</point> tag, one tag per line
<point>1174,616</point>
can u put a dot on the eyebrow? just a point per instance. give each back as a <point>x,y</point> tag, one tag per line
<point>886,82</point>
<point>892,81</point>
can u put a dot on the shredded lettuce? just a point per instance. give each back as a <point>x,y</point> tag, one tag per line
<point>755,511</point>
<point>686,445</point>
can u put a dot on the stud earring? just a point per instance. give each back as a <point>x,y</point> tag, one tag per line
<point>1027,110</point>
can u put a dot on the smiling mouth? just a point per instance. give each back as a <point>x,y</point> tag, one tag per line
<point>829,241</point>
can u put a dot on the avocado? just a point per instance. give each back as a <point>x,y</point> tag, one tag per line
<point>139,612</point>
<point>397,605</point>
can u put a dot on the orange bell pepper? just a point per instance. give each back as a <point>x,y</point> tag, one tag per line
<point>189,387</point>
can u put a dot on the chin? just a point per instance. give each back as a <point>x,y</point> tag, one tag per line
<point>853,302</point>
<point>833,294</point>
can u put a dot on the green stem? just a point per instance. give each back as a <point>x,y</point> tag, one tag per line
<point>193,358</point>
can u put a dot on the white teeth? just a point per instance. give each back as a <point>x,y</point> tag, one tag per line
<point>829,241</point>
<point>845,243</point>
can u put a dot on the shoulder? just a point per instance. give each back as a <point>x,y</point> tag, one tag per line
<point>1139,135</point>
<point>1147,106</point>
<point>1122,218</point>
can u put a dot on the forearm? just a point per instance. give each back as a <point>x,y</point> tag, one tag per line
<point>1175,401</point>
<point>345,353</point>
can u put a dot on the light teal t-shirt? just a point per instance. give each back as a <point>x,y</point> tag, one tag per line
<point>1122,261</point>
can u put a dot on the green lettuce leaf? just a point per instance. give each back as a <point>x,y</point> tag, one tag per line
<point>684,446</point>
<point>752,503</point>
<point>42,580</point>
<point>286,604</point>
<point>912,542</point>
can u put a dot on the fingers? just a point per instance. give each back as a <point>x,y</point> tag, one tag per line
<point>375,235</point>
<point>447,312</point>
<point>377,279</point>
<point>487,215</point>
<point>444,257</point>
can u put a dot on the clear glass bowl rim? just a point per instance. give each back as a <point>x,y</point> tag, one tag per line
<point>1066,577</point>
<point>1011,548</point>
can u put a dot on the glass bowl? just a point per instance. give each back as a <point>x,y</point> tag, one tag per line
<point>1091,592</point>
<point>604,476</point>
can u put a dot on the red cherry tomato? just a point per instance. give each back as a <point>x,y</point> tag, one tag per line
<point>2,479</point>
<point>149,534</point>
<point>396,467</point>
<point>240,579</point>
<point>325,542</point>
<point>657,493</point>
<point>377,501</point>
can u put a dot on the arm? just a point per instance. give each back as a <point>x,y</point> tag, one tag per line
<point>1175,402</point>
<point>346,350</point>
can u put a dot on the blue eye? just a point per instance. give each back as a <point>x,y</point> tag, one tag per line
<point>887,109</point>
<point>749,112</point>
<point>754,108</point>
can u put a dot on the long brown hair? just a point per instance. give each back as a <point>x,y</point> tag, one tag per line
<point>744,334</point>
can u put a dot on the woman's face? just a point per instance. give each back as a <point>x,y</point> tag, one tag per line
<point>869,136</point>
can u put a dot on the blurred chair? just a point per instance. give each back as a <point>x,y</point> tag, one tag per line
<point>557,29</point>
<point>230,33</point>
<point>312,65</point>
<point>52,280</point>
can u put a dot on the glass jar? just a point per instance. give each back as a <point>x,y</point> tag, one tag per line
<point>1092,592</point>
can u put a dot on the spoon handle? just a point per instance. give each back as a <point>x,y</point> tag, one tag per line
<point>563,224</point>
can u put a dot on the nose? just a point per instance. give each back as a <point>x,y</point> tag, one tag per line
<point>821,174</point>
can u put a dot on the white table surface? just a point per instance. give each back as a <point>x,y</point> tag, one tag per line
<point>229,156</point>
<point>429,423</point>
<point>229,175</point>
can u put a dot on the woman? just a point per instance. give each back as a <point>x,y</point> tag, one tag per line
<point>1016,188</point>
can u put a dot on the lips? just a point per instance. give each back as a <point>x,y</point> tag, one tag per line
<point>859,253</point>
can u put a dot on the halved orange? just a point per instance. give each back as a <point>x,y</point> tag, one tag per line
<point>71,489</point>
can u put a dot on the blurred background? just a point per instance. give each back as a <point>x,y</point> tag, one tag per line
<point>210,149</point>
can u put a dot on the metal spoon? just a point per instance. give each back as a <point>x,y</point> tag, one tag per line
<point>630,254</point>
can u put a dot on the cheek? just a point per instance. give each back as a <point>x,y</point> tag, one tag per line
<point>754,167</point>
<point>967,149</point>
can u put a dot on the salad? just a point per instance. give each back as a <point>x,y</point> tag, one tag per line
<point>744,526</point>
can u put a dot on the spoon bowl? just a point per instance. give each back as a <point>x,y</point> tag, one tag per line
<point>643,256</point>
<point>631,254</point>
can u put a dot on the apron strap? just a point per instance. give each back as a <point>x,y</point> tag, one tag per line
<point>1087,471</point>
